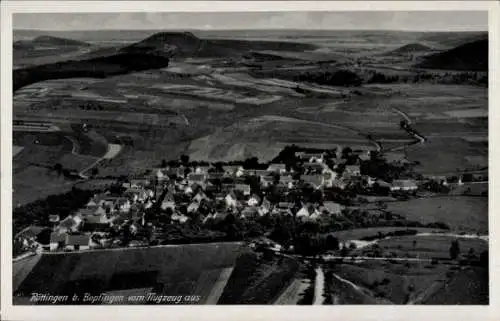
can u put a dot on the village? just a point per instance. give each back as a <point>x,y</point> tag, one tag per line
<point>307,186</point>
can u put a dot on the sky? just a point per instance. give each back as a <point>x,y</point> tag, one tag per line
<point>353,20</point>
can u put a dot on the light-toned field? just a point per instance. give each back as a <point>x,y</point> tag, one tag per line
<point>358,234</point>
<point>461,213</point>
<point>264,136</point>
<point>426,247</point>
<point>16,150</point>
<point>294,292</point>
<point>382,281</point>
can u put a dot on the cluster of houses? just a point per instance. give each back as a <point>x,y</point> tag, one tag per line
<point>209,194</point>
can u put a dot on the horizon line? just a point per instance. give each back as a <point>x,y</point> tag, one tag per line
<point>250,29</point>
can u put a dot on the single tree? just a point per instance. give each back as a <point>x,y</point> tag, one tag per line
<point>58,168</point>
<point>185,159</point>
<point>454,250</point>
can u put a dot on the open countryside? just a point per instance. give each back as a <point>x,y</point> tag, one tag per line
<point>287,167</point>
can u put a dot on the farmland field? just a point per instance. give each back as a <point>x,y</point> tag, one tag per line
<point>461,213</point>
<point>385,282</point>
<point>167,269</point>
<point>427,246</point>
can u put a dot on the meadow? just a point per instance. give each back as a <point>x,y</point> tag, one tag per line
<point>461,213</point>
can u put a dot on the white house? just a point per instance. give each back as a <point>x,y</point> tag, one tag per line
<point>236,171</point>
<point>125,206</point>
<point>265,207</point>
<point>253,200</point>
<point>181,218</point>
<point>303,212</point>
<point>193,207</point>
<point>277,168</point>
<point>168,202</point>
<point>352,170</point>
<point>160,176</point>
<point>231,200</point>
<point>243,188</point>
<point>188,190</point>
<point>404,185</point>
<point>200,197</point>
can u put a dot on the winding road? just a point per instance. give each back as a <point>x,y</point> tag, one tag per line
<point>319,286</point>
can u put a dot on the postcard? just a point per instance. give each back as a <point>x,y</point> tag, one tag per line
<point>248,159</point>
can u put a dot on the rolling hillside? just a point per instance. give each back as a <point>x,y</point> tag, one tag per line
<point>95,68</point>
<point>186,44</point>
<point>48,41</point>
<point>410,48</point>
<point>472,56</point>
<point>177,270</point>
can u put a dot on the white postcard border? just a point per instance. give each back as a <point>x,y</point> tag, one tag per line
<point>40,313</point>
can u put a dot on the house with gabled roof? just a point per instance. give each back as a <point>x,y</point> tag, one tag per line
<point>57,241</point>
<point>77,242</point>
<point>265,207</point>
<point>315,215</point>
<point>249,212</point>
<point>181,218</point>
<point>304,211</point>
<point>331,208</point>
<point>276,168</point>
<point>200,196</point>
<point>197,179</point>
<point>220,215</point>
<point>202,169</point>
<point>54,219</point>
<point>193,207</point>
<point>139,183</point>
<point>314,157</point>
<point>91,203</point>
<point>207,218</point>
<point>69,224</point>
<point>234,170</point>
<point>287,180</point>
<point>267,180</point>
<point>254,200</point>
<point>315,181</point>
<point>243,188</point>
<point>404,185</point>
<point>231,199</point>
<point>160,176</point>
<point>352,170</point>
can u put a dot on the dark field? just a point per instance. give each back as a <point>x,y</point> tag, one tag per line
<point>168,270</point>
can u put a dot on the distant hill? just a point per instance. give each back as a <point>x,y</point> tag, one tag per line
<point>452,39</point>
<point>472,56</point>
<point>99,67</point>
<point>410,48</point>
<point>186,44</point>
<point>48,41</point>
<point>57,41</point>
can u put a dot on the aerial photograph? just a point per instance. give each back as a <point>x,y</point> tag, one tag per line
<point>260,158</point>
